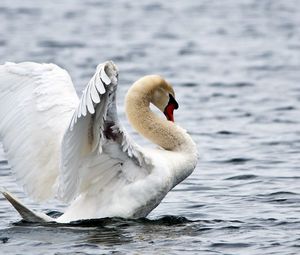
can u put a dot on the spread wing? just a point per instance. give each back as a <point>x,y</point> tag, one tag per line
<point>36,105</point>
<point>97,154</point>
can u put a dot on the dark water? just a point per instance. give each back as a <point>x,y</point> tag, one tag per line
<point>235,68</point>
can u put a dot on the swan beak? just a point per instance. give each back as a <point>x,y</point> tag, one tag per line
<point>171,106</point>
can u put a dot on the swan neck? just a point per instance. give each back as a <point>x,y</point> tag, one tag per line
<point>156,129</point>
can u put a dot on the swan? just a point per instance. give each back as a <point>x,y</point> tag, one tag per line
<point>76,150</point>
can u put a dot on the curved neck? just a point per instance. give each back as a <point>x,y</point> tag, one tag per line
<point>158,130</point>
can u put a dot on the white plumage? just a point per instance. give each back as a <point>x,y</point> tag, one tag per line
<point>36,104</point>
<point>77,149</point>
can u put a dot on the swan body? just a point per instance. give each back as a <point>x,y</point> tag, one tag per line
<point>77,150</point>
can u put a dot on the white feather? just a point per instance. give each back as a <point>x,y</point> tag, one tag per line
<point>37,102</point>
<point>48,134</point>
<point>104,77</point>
<point>81,140</point>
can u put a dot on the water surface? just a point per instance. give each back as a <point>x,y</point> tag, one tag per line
<point>235,69</point>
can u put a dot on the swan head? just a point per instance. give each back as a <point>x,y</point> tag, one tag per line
<point>163,96</point>
<point>153,89</point>
<point>150,89</point>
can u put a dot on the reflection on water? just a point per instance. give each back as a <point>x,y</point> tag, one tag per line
<point>107,232</point>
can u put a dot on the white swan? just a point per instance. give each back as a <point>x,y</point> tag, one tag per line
<point>78,151</point>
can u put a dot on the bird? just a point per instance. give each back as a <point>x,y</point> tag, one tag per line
<point>76,150</point>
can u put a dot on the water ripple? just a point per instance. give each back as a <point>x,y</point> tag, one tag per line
<point>235,69</point>
<point>243,177</point>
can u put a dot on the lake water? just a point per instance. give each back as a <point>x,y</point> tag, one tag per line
<point>235,68</point>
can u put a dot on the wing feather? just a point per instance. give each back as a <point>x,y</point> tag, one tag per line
<point>94,94</point>
<point>89,101</point>
<point>95,146</point>
<point>36,105</point>
<point>104,77</point>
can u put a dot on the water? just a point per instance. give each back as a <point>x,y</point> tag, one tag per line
<point>235,69</point>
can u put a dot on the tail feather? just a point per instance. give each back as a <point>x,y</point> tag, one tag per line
<point>26,213</point>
